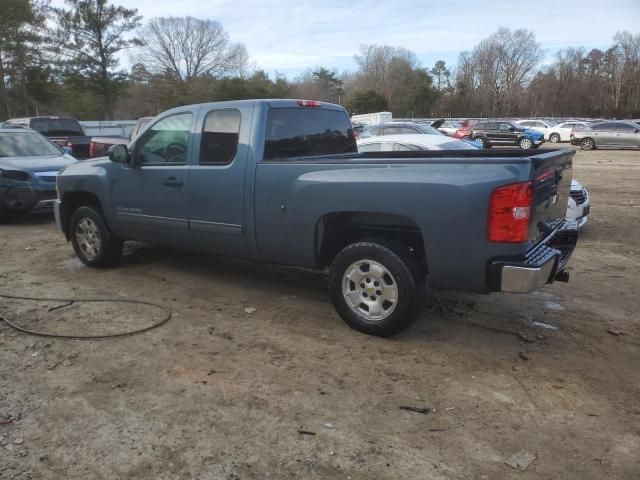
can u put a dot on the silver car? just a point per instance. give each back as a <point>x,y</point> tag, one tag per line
<point>607,134</point>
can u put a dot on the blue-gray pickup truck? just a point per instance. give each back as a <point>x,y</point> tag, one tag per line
<point>282,181</point>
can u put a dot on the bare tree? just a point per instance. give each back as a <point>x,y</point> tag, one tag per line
<point>500,67</point>
<point>385,70</point>
<point>188,47</point>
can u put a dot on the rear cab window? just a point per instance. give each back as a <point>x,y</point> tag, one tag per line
<point>57,126</point>
<point>308,132</point>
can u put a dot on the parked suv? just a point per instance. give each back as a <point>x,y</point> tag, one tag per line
<point>489,134</point>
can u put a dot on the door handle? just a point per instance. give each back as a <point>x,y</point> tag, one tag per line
<point>172,182</point>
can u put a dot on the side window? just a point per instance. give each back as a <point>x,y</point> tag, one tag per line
<point>623,127</point>
<point>166,141</point>
<point>392,131</point>
<point>220,137</point>
<point>370,147</point>
<point>505,127</point>
<point>409,130</point>
<point>527,124</point>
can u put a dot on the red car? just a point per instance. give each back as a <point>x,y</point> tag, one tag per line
<point>464,131</point>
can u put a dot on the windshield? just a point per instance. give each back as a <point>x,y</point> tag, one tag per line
<point>57,126</point>
<point>26,145</point>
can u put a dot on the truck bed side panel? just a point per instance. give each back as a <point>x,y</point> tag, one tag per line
<point>447,199</point>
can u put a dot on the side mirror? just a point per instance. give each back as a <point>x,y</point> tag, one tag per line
<point>118,154</point>
<point>69,150</point>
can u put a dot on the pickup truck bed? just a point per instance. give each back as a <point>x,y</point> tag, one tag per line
<point>281,181</point>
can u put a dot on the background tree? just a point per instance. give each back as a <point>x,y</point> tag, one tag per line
<point>188,47</point>
<point>87,40</point>
<point>19,53</point>
<point>366,101</point>
<point>441,74</point>
<point>321,84</point>
<point>396,74</point>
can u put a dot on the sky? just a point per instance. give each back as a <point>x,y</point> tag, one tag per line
<point>291,36</point>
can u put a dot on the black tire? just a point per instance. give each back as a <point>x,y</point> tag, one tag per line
<point>525,143</point>
<point>401,278</point>
<point>105,250</point>
<point>554,138</point>
<point>587,144</point>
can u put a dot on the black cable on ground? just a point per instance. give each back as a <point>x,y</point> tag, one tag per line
<point>71,301</point>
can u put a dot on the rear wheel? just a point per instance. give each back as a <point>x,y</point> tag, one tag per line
<point>554,138</point>
<point>92,240</point>
<point>525,143</point>
<point>373,289</point>
<point>587,144</point>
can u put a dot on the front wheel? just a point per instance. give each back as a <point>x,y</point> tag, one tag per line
<point>373,289</point>
<point>525,143</point>
<point>554,138</point>
<point>587,144</point>
<point>92,240</point>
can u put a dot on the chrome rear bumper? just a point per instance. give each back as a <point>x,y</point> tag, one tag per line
<point>541,265</point>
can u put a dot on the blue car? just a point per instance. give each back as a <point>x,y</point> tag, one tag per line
<point>29,165</point>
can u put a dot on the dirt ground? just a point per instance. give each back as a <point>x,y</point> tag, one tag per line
<point>218,393</point>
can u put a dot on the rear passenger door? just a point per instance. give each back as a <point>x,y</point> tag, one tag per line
<point>216,197</point>
<point>627,135</point>
<point>505,135</point>
<point>604,134</point>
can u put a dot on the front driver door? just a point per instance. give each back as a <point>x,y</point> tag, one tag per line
<point>150,195</point>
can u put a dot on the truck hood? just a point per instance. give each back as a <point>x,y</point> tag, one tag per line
<point>37,164</point>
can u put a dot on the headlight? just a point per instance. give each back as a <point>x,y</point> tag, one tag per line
<point>16,175</point>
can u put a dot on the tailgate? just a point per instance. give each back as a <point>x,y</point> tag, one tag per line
<point>552,174</point>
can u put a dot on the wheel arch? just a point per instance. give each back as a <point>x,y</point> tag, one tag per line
<point>336,230</point>
<point>71,201</point>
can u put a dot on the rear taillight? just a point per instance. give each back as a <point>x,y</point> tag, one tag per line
<point>92,147</point>
<point>309,103</point>
<point>68,144</point>
<point>509,213</point>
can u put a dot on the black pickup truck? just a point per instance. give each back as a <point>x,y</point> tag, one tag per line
<point>63,131</point>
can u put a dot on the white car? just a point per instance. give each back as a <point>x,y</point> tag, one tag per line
<point>412,142</point>
<point>578,206</point>
<point>562,131</point>
<point>542,126</point>
<point>448,127</point>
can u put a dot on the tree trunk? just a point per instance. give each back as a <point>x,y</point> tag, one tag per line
<point>4,101</point>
